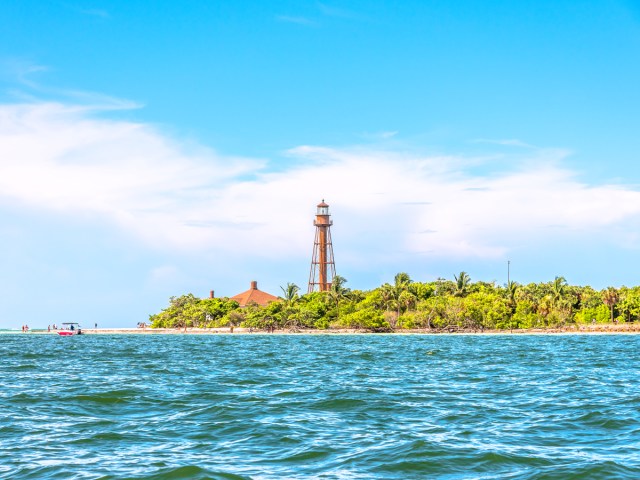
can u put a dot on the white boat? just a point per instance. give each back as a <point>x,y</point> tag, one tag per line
<point>70,328</point>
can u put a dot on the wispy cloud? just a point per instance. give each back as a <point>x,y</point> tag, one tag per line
<point>507,142</point>
<point>92,12</point>
<point>21,71</point>
<point>24,73</point>
<point>95,12</point>
<point>92,101</point>
<point>332,11</point>
<point>384,135</point>
<point>322,11</point>
<point>65,159</point>
<point>297,20</point>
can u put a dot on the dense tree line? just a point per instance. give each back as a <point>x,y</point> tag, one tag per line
<point>404,304</point>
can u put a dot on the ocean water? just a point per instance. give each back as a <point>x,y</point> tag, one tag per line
<point>343,406</point>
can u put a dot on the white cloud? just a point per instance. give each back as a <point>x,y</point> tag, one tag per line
<point>173,195</point>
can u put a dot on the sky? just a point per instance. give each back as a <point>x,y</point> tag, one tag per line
<point>152,149</point>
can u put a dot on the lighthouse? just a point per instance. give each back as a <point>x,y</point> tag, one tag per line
<point>323,267</point>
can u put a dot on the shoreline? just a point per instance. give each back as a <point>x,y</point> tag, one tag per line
<point>602,329</point>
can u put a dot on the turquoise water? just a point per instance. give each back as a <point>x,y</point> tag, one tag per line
<point>347,406</point>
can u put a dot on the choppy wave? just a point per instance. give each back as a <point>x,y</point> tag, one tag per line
<point>349,406</point>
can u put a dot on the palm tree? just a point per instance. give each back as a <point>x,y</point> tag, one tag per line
<point>512,289</point>
<point>610,297</point>
<point>545,306</point>
<point>558,288</point>
<point>337,283</point>
<point>462,284</point>
<point>401,285</point>
<point>407,300</point>
<point>387,292</point>
<point>290,293</point>
<point>338,292</point>
<point>290,298</point>
<point>402,280</point>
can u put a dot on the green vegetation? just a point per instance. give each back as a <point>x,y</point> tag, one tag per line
<point>441,305</point>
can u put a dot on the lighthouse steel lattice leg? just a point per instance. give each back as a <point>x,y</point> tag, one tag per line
<point>323,267</point>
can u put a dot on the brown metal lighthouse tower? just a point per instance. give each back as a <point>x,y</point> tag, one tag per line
<point>323,267</point>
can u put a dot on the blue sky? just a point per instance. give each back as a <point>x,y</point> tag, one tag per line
<point>150,149</point>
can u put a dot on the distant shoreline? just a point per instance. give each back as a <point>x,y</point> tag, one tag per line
<point>599,329</point>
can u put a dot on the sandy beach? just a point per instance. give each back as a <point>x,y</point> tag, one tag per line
<point>626,328</point>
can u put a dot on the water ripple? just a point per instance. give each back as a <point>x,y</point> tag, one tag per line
<point>352,406</point>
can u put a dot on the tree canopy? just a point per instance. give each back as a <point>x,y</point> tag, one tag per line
<point>406,304</point>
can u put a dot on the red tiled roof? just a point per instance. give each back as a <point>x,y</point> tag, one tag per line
<point>253,295</point>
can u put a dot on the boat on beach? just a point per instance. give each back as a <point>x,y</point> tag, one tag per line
<point>70,328</point>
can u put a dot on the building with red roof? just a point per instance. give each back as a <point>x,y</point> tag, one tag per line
<point>253,295</point>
